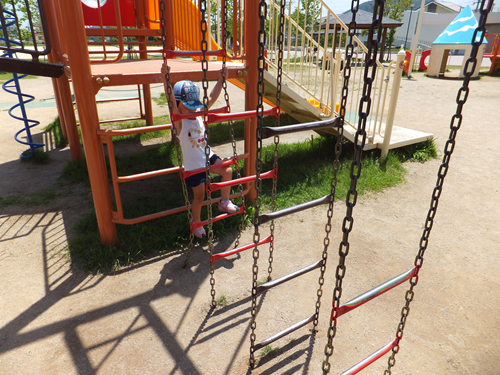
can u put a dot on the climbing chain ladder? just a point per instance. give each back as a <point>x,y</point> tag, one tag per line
<point>260,218</point>
<point>174,131</point>
<point>412,274</point>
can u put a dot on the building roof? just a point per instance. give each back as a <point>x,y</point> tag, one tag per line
<point>363,20</point>
<point>460,30</point>
<point>368,5</point>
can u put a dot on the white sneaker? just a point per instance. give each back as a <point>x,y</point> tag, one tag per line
<point>228,206</point>
<point>199,232</point>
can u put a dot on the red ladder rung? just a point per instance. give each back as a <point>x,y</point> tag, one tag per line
<point>219,185</point>
<point>375,292</point>
<point>212,118</point>
<point>178,117</point>
<point>217,218</point>
<point>370,359</point>
<point>216,257</point>
<point>225,163</point>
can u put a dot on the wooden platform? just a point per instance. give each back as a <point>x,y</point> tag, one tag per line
<point>149,71</point>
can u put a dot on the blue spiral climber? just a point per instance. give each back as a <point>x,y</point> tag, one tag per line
<point>13,87</point>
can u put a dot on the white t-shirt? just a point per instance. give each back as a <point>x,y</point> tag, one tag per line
<point>193,144</point>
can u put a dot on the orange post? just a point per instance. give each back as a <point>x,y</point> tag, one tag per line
<point>251,66</point>
<point>73,27</point>
<point>62,90</point>
<point>140,12</point>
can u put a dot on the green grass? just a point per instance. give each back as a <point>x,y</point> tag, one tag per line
<point>40,198</point>
<point>37,157</point>
<point>305,172</point>
<point>6,76</point>
<point>55,128</point>
<point>158,120</point>
<point>222,301</point>
<point>270,351</point>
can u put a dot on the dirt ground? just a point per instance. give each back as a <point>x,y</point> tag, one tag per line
<point>154,318</point>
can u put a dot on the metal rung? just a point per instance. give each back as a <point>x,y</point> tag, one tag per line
<point>370,359</point>
<point>216,257</point>
<point>293,275</point>
<point>375,292</point>
<point>283,333</point>
<point>271,132</point>
<point>290,210</point>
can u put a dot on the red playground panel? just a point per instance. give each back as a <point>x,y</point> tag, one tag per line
<point>91,12</point>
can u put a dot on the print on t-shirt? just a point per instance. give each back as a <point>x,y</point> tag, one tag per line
<point>197,137</point>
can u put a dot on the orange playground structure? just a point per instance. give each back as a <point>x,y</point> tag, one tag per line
<point>91,40</point>
<point>492,51</point>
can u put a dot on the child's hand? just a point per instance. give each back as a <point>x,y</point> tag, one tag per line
<point>165,69</point>
<point>225,72</point>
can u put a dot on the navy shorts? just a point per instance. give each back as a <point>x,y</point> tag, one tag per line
<point>199,178</point>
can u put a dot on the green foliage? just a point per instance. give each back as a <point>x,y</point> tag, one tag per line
<point>307,17</point>
<point>55,128</point>
<point>23,13</point>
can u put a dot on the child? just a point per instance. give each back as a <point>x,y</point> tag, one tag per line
<point>185,98</point>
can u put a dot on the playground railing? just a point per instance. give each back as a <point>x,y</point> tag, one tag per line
<point>118,215</point>
<point>314,51</point>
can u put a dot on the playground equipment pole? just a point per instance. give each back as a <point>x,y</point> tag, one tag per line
<point>392,104</point>
<point>146,87</point>
<point>251,46</point>
<point>85,90</point>
<point>415,38</point>
<point>61,86</point>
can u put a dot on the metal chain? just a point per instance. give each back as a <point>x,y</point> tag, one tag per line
<point>258,169</point>
<point>359,143</point>
<point>204,66</point>
<point>277,123</point>
<point>231,129</point>
<point>456,122</point>
<point>174,132</point>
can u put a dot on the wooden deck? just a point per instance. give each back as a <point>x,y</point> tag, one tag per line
<point>149,71</point>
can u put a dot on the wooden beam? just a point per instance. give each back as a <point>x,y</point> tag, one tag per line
<point>31,68</point>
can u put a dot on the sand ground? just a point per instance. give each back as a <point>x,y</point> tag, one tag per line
<point>154,318</point>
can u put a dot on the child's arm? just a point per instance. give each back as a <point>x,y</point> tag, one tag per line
<point>175,111</point>
<point>214,95</point>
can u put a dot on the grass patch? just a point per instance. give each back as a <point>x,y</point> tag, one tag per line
<point>305,173</point>
<point>141,137</point>
<point>40,198</point>
<point>55,128</point>
<point>76,172</point>
<point>222,301</point>
<point>420,152</point>
<point>270,351</point>
<point>37,156</point>
<point>4,76</point>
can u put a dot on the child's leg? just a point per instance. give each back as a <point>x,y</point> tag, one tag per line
<point>227,174</point>
<point>199,195</point>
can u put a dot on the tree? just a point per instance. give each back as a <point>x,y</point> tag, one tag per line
<point>395,9</point>
<point>307,16</point>
<point>24,10</point>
